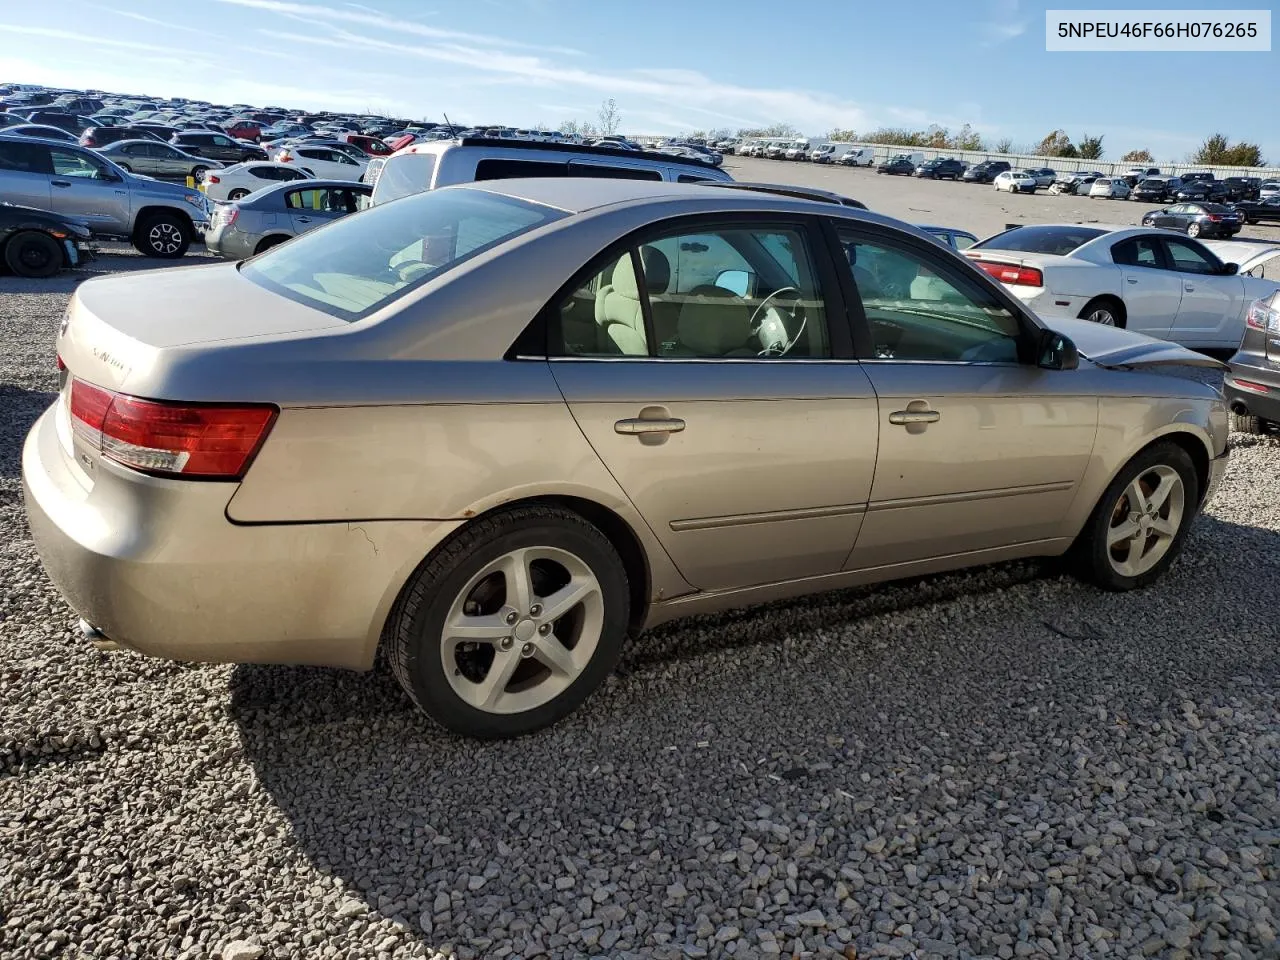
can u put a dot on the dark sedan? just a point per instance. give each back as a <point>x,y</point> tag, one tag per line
<point>41,131</point>
<point>1152,190</point>
<point>1201,191</point>
<point>1196,219</point>
<point>97,137</point>
<point>1259,211</point>
<point>217,146</point>
<point>37,243</point>
<point>1243,188</point>
<point>941,169</point>
<point>901,166</point>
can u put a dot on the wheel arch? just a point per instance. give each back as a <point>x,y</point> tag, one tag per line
<point>619,532</point>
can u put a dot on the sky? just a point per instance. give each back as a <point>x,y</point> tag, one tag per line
<point>673,66</point>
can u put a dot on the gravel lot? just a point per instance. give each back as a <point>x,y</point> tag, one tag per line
<point>1001,763</point>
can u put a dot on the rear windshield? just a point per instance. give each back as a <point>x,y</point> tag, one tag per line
<point>365,261</point>
<point>404,175</point>
<point>1056,240</point>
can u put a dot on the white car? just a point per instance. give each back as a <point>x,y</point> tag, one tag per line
<point>797,151</point>
<point>1015,181</point>
<point>1260,260</point>
<point>242,179</point>
<point>1145,279</point>
<point>326,163</point>
<point>1269,188</point>
<point>1113,188</point>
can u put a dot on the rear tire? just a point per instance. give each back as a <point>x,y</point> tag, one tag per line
<point>33,254</point>
<point>1193,230</point>
<point>237,194</point>
<point>125,167</point>
<point>495,576</point>
<point>198,174</point>
<point>1140,523</point>
<point>165,236</point>
<point>1107,311</point>
<point>267,243</point>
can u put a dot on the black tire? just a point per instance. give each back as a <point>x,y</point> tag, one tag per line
<point>198,173</point>
<point>33,254</point>
<point>1108,304</point>
<point>1247,423</point>
<point>416,623</point>
<point>1090,555</point>
<point>165,236</point>
<point>125,167</point>
<point>267,243</point>
<point>238,194</point>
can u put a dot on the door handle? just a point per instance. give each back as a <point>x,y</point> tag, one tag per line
<point>905,417</point>
<point>304,219</point>
<point>60,183</point>
<point>1190,288</point>
<point>1130,280</point>
<point>641,426</point>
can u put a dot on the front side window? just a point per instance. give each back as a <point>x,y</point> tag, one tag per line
<point>726,293</point>
<point>919,309</point>
<point>67,163</point>
<point>1189,258</point>
<point>360,264</point>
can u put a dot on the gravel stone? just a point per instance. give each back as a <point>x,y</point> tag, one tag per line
<point>993,763</point>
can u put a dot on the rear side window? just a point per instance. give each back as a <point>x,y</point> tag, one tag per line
<point>498,169</point>
<point>1137,252</point>
<point>622,173</point>
<point>359,264</point>
<point>24,157</point>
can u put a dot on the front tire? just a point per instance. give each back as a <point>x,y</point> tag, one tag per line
<point>1139,525</point>
<point>32,254</point>
<point>512,623</point>
<point>1193,230</point>
<point>164,236</point>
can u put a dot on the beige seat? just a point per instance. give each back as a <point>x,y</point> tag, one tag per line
<point>715,323</point>
<point>618,309</point>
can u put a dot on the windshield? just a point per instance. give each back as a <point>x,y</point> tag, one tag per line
<point>1056,240</point>
<point>404,175</point>
<point>365,261</point>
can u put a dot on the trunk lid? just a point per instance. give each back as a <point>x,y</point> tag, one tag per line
<point>1122,349</point>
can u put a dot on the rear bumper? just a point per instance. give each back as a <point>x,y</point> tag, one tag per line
<point>1251,402</point>
<point>157,567</point>
<point>230,244</point>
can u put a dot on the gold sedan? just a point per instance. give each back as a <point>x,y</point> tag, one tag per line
<point>501,429</point>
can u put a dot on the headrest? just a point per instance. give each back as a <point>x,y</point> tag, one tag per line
<point>713,322</point>
<point>657,274</point>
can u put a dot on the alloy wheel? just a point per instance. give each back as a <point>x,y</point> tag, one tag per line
<point>1145,520</point>
<point>522,630</point>
<point>1102,315</point>
<point>165,238</point>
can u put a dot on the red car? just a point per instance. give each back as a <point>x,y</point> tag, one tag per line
<point>244,129</point>
<point>370,145</point>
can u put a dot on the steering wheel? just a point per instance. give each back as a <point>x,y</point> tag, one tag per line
<point>776,349</point>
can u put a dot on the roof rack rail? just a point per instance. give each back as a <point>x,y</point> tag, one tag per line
<point>553,146</point>
<point>790,190</point>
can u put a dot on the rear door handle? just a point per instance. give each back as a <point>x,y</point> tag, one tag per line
<point>904,417</point>
<point>1190,288</point>
<point>1130,280</point>
<point>61,183</point>
<point>304,219</point>
<point>640,426</point>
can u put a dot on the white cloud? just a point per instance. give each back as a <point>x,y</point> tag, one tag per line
<point>143,18</point>
<point>1003,23</point>
<point>394,24</point>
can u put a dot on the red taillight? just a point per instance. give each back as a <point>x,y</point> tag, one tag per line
<point>1249,385</point>
<point>1215,216</point>
<point>284,157</point>
<point>197,441</point>
<point>61,363</point>
<point>211,178</point>
<point>229,214</point>
<point>1011,273</point>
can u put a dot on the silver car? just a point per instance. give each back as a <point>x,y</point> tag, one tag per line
<point>269,217</point>
<point>161,160</point>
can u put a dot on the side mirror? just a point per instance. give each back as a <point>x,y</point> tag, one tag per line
<point>1056,352</point>
<point>1230,269</point>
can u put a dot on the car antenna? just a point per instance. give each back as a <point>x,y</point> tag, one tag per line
<point>448,121</point>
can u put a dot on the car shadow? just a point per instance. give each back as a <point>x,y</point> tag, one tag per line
<point>354,768</point>
<point>19,409</point>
